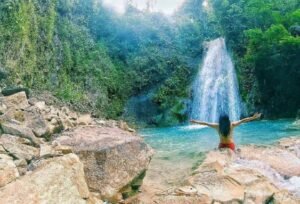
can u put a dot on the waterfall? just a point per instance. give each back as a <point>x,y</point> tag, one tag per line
<point>215,89</point>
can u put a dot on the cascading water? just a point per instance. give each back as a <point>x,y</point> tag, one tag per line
<point>215,90</point>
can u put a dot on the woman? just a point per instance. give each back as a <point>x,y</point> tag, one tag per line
<point>225,129</point>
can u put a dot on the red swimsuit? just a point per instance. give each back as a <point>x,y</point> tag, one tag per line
<point>230,146</point>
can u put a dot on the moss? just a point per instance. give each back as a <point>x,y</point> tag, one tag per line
<point>19,116</point>
<point>133,187</point>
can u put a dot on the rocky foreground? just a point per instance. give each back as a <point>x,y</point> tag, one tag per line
<point>54,155</point>
<point>254,175</point>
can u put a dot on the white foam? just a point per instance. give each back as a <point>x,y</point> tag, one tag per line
<point>193,127</point>
<point>292,184</point>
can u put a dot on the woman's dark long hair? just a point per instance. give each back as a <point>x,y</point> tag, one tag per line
<point>224,125</point>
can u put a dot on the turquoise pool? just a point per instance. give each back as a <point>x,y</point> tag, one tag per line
<point>191,140</point>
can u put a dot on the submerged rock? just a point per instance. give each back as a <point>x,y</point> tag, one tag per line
<point>112,158</point>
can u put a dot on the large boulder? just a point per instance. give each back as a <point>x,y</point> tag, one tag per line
<point>113,158</point>
<point>57,180</point>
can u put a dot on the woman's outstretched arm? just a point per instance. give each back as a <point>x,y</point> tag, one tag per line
<point>213,125</point>
<point>254,117</point>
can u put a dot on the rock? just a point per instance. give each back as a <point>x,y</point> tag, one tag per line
<point>8,170</point>
<point>67,123</point>
<point>244,176</point>
<point>259,192</point>
<point>2,150</point>
<point>63,149</point>
<point>274,157</point>
<point>56,180</point>
<point>3,108</point>
<point>73,115</point>
<point>57,128</point>
<point>18,147</point>
<point>284,197</point>
<point>35,121</point>
<point>21,165</point>
<point>47,151</point>
<point>15,101</point>
<point>41,105</point>
<point>54,121</point>
<point>54,111</point>
<point>101,122</point>
<point>290,144</point>
<point>112,158</point>
<point>124,126</point>
<point>218,187</point>
<point>111,123</point>
<point>94,199</point>
<point>186,190</point>
<point>13,114</point>
<point>85,119</point>
<point>171,199</point>
<point>21,131</point>
<point>65,110</point>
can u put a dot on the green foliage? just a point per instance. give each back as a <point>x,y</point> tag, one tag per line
<point>96,60</point>
<point>266,52</point>
<point>48,45</point>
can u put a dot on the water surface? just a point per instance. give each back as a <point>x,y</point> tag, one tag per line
<point>191,139</point>
<point>181,149</point>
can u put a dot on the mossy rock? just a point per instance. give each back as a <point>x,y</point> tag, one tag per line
<point>13,90</point>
